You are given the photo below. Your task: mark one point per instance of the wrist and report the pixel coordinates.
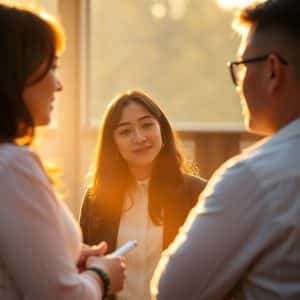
(103, 278)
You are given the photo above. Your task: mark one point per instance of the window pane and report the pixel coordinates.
(176, 50)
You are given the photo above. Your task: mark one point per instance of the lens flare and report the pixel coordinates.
(229, 4)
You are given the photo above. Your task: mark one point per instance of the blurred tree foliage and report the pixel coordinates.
(180, 61)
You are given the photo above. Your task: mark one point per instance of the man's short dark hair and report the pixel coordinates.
(280, 14)
(277, 22)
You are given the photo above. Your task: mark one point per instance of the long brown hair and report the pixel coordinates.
(29, 39)
(111, 177)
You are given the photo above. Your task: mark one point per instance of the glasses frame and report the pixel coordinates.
(250, 60)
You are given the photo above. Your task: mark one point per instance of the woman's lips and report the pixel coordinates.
(142, 149)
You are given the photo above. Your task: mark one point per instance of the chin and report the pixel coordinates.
(44, 122)
(250, 126)
(258, 129)
(143, 163)
(246, 120)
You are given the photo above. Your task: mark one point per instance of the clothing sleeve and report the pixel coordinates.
(222, 235)
(35, 247)
(195, 186)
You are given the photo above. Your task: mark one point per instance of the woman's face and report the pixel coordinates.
(39, 97)
(138, 136)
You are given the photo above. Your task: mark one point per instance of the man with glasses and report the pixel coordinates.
(242, 239)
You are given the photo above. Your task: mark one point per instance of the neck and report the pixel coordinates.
(141, 173)
(288, 111)
(282, 122)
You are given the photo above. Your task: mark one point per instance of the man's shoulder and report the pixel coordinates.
(269, 161)
(194, 180)
(194, 184)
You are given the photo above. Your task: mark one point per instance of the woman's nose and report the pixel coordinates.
(59, 86)
(139, 136)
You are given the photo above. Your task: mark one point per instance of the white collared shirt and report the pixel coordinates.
(136, 224)
(243, 236)
(40, 239)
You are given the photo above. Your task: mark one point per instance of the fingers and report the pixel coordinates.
(100, 249)
(95, 250)
(114, 267)
(121, 273)
(88, 251)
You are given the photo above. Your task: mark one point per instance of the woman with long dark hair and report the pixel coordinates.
(141, 189)
(41, 254)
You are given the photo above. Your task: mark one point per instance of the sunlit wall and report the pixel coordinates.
(176, 50)
(49, 5)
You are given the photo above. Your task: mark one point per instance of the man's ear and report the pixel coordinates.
(274, 72)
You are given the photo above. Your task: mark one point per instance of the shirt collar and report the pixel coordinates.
(285, 133)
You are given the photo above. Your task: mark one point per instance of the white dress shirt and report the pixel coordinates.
(40, 241)
(136, 224)
(243, 236)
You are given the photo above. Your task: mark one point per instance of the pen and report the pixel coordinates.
(125, 248)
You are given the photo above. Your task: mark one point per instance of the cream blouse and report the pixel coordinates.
(136, 224)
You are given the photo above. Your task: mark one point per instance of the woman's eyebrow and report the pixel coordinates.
(140, 119)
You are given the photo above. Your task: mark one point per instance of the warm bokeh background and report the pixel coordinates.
(176, 50)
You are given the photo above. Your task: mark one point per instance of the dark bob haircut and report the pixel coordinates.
(30, 38)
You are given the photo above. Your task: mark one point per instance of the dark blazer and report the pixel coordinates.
(96, 229)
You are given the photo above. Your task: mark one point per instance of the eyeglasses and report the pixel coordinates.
(238, 68)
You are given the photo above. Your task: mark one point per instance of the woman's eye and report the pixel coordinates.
(54, 65)
(124, 132)
(147, 125)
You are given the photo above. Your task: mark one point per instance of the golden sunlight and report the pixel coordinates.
(228, 4)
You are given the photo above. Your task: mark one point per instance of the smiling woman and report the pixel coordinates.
(61, 267)
(141, 190)
(138, 138)
(39, 96)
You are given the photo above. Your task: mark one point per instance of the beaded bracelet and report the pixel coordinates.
(104, 278)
